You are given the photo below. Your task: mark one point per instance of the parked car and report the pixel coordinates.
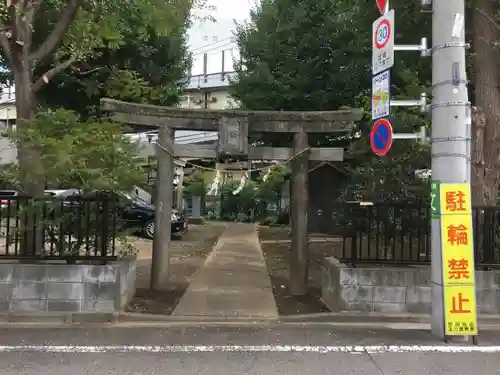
(137, 214)
(141, 214)
(4, 197)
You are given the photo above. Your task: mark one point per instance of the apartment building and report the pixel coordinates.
(8, 115)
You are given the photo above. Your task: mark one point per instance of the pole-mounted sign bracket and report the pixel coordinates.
(422, 47)
(421, 135)
(422, 103)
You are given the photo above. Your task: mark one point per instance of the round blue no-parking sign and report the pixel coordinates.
(381, 137)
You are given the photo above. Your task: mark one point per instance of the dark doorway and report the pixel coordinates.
(325, 184)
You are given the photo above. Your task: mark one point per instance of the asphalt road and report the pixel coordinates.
(232, 351)
(248, 363)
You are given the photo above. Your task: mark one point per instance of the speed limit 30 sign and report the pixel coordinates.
(383, 43)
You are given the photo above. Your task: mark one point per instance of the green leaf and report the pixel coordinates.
(90, 155)
(316, 55)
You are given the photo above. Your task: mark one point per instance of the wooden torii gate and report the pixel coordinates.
(234, 127)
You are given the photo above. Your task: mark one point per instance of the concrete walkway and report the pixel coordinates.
(234, 281)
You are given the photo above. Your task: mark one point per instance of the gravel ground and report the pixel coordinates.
(188, 254)
(276, 247)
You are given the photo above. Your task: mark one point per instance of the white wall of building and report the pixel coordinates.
(8, 150)
(8, 115)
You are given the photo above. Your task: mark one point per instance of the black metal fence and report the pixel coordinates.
(76, 228)
(400, 233)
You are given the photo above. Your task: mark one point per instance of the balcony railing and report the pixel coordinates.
(212, 80)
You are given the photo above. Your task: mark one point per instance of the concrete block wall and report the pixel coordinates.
(42, 287)
(394, 289)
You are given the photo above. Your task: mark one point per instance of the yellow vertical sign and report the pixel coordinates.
(458, 260)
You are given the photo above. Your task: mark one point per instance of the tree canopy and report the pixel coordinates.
(83, 154)
(316, 55)
(59, 33)
(42, 38)
(195, 185)
(271, 183)
(145, 69)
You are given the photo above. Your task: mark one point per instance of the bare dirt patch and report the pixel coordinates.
(187, 255)
(276, 247)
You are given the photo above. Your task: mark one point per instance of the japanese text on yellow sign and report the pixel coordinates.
(458, 260)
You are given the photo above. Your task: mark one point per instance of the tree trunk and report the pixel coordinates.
(486, 113)
(31, 170)
(29, 157)
(32, 179)
(16, 42)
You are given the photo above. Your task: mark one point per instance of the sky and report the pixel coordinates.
(232, 9)
(201, 36)
(227, 10)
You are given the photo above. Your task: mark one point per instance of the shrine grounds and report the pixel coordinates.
(190, 253)
(187, 256)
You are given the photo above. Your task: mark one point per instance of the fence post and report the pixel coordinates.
(354, 241)
(105, 227)
(222, 212)
(495, 223)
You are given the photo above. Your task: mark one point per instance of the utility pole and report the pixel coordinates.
(450, 126)
(453, 298)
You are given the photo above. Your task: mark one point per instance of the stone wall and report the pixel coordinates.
(394, 289)
(86, 288)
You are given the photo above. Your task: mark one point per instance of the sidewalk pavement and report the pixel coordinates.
(233, 282)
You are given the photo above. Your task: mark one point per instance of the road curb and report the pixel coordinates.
(63, 317)
(376, 317)
(134, 317)
(355, 316)
(369, 321)
(68, 319)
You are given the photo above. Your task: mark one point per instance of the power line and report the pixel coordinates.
(213, 49)
(211, 44)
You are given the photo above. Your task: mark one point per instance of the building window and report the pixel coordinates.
(205, 38)
(215, 39)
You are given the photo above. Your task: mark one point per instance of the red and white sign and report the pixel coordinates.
(381, 137)
(382, 34)
(383, 43)
(381, 5)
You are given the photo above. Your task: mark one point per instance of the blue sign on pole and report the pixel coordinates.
(381, 137)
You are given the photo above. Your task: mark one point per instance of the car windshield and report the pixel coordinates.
(144, 195)
(136, 199)
(139, 195)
